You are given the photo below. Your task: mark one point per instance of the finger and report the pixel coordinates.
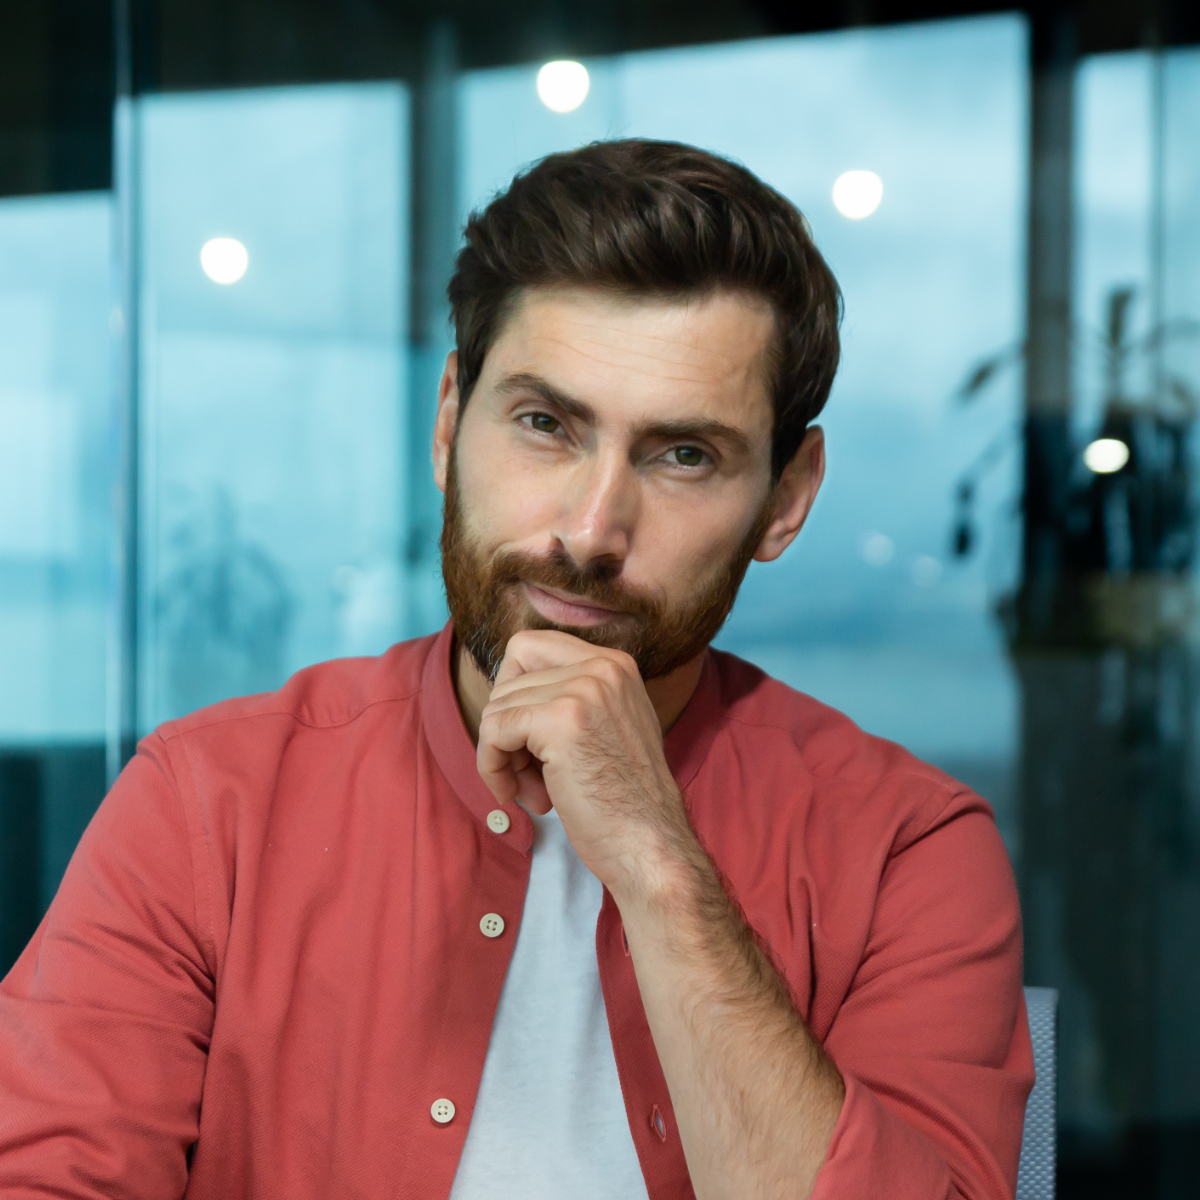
(502, 751)
(501, 780)
(608, 666)
(541, 687)
(520, 760)
(544, 649)
(513, 774)
(532, 679)
(531, 789)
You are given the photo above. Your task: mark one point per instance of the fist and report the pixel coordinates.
(570, 725)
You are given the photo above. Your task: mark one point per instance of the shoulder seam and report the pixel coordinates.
(281, 712)
(951, 792)
(205, 924)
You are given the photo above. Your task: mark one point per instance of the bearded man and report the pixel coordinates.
(558, 902)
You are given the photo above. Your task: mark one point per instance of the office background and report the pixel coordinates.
(225, 232)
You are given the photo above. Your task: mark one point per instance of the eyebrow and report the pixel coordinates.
(579, 410)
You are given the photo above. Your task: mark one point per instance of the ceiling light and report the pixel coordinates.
(876, 548)
(1106, 455)
(856, 194)
(224, 259)
(563, 86)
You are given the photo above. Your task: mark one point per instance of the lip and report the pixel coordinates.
(555, 607)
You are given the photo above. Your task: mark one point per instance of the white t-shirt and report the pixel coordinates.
(550, 1120)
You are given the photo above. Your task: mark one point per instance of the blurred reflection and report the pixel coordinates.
(54, 542)
(273, 408)
(1104, 638)
(225, 611)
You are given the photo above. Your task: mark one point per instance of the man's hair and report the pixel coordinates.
(645, 218)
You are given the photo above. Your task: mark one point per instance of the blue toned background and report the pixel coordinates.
(865, 611)
(285, 511)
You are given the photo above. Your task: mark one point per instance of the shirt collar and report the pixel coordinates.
(686, 744)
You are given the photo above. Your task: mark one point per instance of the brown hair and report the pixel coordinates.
(657, 218)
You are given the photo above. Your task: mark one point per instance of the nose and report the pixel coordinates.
(599, 512)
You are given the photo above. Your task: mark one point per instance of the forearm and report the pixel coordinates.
(755, 1097)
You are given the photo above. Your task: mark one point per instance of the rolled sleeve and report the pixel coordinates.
(933, 1039)
(874, 1153)
(106, 1017)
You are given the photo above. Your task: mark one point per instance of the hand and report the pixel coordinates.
(570, 724)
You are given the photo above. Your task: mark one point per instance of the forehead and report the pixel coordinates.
(695, 355)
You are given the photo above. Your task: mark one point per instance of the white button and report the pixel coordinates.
(498, 821)
(491, 925)
(442, 1111)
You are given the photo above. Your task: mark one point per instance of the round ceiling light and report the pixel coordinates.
(876, 548)
(856, 194)
(1106, 455)
(224, 259)
(562, 86)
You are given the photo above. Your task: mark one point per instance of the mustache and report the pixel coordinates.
(600, 582)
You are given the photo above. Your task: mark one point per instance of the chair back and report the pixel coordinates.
(1035, 1175)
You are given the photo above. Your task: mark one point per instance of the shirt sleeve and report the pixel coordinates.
(933, 1039)
(105, 1019)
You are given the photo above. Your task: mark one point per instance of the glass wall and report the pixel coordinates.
(274, 293)
(55, 540)
(1110, 804)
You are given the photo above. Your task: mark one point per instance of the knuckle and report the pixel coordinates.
(617, 667)
(490, 720)
(518, 642)
(575, 708)
(609, 668)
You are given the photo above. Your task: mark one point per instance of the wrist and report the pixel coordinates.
(667, 876)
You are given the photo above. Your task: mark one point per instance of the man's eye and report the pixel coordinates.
(543, 423)
(686, 456)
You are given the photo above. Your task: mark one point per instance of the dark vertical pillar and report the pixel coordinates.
(435, 238)
(1048, 321)
(80, 87)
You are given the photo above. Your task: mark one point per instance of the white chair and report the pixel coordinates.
(1035, 1175)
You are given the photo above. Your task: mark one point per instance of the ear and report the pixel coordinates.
(794, 495)
(447, 419)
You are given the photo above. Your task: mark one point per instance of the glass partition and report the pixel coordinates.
(1110, 806)
(274, 281)
(55, 541)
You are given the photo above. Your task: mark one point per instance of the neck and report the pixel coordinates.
(669, 694)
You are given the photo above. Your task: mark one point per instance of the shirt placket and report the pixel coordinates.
(643, 1085)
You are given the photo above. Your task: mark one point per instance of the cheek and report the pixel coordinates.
(504, 501)
(684, 548)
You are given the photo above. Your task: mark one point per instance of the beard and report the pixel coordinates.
(487, 608)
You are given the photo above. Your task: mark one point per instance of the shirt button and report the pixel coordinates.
(491, 924)
(442, 1111)
(498, 821)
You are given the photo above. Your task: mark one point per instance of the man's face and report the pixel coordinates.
(610, 474)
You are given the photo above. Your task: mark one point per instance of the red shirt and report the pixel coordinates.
(266, 953)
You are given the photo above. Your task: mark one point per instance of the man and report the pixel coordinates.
(557, 902)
